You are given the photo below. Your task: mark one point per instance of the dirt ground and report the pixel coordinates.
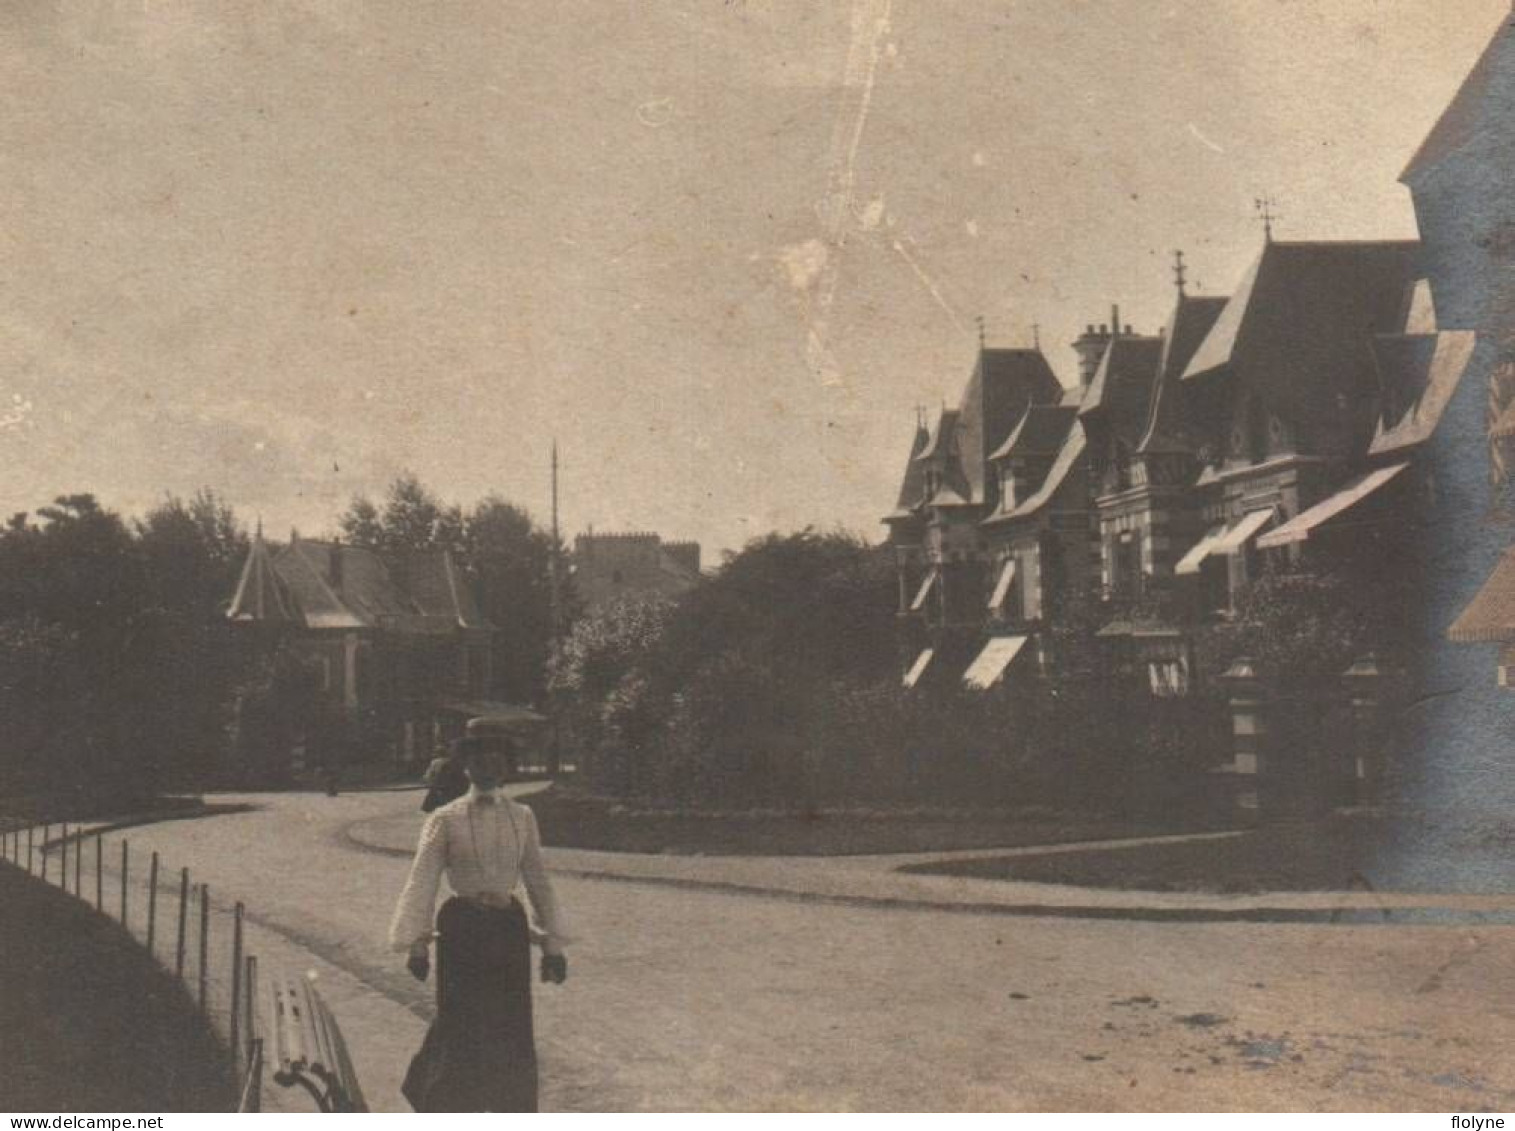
(701, 1000)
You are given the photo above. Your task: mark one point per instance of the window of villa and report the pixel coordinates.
(1257, 432)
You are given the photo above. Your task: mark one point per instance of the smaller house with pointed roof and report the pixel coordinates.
(396, 641)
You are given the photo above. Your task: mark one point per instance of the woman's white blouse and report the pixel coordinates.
(486, 845)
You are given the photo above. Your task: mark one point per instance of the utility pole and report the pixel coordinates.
(555, 583)
(553, 571)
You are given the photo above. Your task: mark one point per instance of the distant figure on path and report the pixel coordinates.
(480, 1052)
(444, 779)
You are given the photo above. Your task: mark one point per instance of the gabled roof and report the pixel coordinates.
(1491, 616)
(1418, 374)
(1486, 99)
(330, 585)
(1168, 425)
(1041, 432)
(1299, 333)
(1120, 395)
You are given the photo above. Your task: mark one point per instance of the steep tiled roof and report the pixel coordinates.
(1487, 93)
(1067, 459)
(1004, 383)
(1418, 374)
(1299, 331)
(913, 484)
(1041, 431)
(1491, 616)
(1120, 394)
(435, 586)
(329, 585)
(939, 439)
(260, 593)
(1168, 425)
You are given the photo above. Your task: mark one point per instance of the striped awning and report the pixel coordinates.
(1201, 550)
(925, 591)
(1242, 531)
(997, 655)
(918, 669)
(1300, 527)
(1002, 586)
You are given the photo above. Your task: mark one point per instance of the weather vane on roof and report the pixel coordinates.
(1180, 271)
(1036, 335)
(981, 337)
(1265, 206)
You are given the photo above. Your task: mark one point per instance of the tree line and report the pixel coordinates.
(120, 676)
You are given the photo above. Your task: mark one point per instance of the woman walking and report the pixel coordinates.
(480, 1052)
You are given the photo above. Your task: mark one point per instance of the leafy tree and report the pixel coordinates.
(729, 699)
(125, 622)
(192, 553)
(597, 687)
(412, 520)
(509, 560)
(502, 552)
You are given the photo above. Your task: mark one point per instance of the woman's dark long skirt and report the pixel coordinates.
(480, 1052)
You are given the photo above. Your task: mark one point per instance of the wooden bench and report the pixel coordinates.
(307, 1045)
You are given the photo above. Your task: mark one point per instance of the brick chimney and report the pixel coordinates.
(1090, 347)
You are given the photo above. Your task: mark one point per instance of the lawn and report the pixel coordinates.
(570, 820)
(1323, 855)
(90, 1023)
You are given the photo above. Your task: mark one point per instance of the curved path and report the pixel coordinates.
(757, 997)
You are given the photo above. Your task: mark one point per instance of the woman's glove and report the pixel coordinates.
(419, 963)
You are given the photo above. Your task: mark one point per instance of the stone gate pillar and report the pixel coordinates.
(1251, 760)
(1365, 684)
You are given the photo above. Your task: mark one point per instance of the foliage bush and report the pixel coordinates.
(116, 674)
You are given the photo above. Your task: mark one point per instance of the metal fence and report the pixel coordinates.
(175, 919)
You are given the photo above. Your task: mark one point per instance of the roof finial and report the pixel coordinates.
(1180, 272)
(1036, 329)
(1265, 206)
(980, 321)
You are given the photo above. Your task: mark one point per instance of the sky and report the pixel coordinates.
(719, 250)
